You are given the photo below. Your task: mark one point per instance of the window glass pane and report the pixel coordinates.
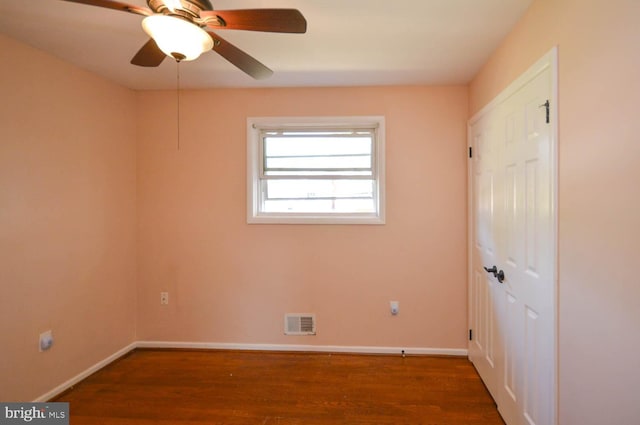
(314, 189)
(317, 145)
(320, 206)
(317, 152)
(308, 173)
(319, 162)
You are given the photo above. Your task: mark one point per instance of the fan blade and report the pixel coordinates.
(268, 20)
(116, 5)
(239, 58)
(206, 5)
(149, 55)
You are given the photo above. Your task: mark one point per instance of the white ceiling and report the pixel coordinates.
(348, 42)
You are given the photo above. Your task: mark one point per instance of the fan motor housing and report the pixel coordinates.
(189, 7)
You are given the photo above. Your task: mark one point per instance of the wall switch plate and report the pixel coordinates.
(395, 307)
(164, 298)
(46, 341)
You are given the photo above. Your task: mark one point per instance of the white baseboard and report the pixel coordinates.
(249, 347)
(306, 348)
(82, 375)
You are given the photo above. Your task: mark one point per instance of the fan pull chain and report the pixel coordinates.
(178, 96)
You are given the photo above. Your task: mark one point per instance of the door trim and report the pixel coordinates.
(549, 60)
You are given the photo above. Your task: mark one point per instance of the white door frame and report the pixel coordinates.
(550, 59)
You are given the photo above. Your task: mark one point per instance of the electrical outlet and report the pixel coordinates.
(395, 307)
(46, 341)
(164, 298)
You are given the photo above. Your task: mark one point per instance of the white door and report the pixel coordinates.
(482, 334)
(512, 226)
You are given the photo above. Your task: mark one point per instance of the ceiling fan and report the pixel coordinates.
(177, 29)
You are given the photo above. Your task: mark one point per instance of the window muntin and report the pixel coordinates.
(321, 171)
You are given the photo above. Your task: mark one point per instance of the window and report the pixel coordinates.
(315, 170)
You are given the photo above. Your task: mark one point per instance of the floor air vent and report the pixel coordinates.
(299, 324)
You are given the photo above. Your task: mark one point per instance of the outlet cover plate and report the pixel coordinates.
(46, 341)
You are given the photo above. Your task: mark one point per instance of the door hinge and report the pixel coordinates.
(547, 106)
(470, 152)
(470, 334)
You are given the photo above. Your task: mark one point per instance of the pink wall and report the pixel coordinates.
(232, 282)
(599, 198)
(67, 220)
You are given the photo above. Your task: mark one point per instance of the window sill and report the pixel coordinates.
(369, 219)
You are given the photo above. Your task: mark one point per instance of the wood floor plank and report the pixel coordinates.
(240, 387)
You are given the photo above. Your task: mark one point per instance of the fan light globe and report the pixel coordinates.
(176, 37)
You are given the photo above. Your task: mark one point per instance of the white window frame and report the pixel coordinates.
(254, 127)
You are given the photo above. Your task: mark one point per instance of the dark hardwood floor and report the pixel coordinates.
(239, 387)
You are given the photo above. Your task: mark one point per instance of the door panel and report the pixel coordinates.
(513, 226)
(510, 382)
(483, 345)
